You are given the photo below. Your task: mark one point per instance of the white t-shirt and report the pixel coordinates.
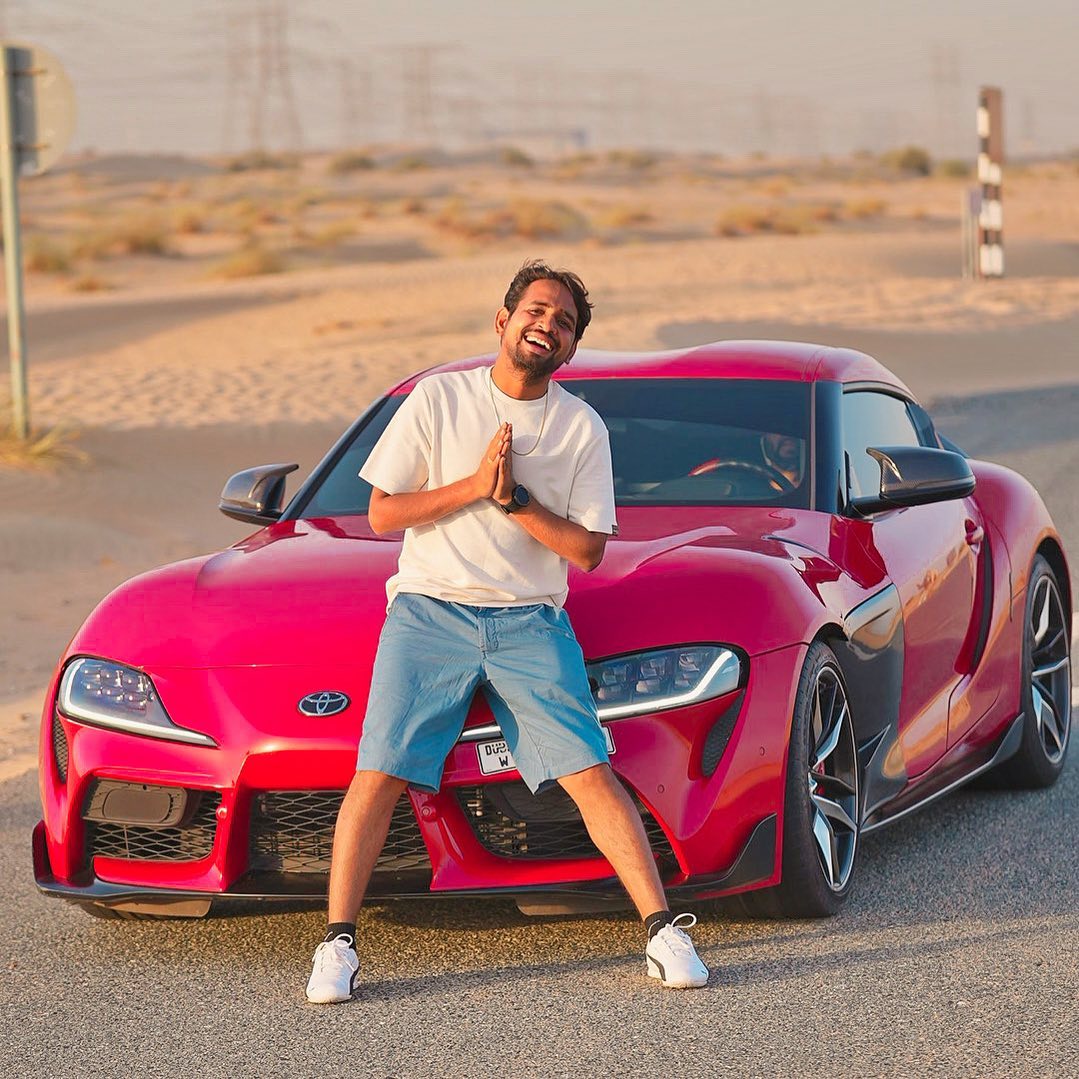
(479, 555)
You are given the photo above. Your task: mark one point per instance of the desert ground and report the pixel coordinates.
(189, 319)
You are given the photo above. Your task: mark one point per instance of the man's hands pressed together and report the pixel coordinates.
(504, 482)
(489, 475)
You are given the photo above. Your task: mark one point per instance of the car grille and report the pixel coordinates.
(512, 822)
(292, 832)
(59, 747)
(188, 841)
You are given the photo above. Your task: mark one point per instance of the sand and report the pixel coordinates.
(175, 385)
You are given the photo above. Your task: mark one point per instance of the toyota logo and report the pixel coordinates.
(326, 703)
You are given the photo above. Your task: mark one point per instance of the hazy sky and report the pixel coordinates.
(733, 75)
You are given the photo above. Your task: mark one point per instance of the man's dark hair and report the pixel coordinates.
(537, 270)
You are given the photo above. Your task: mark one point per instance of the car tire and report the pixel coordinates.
(1045, 687)
(822, 803)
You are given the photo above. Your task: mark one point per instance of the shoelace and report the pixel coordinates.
(678, 940)
(337, 948)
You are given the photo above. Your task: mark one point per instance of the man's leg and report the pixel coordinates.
(362, 823)
(615, 826)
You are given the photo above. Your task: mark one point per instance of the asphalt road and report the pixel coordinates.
(958, 952)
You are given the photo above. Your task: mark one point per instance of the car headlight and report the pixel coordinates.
(107, 694)
(663, 678)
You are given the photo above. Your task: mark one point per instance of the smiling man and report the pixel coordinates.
(499, 479)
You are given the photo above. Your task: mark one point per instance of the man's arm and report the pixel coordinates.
(392, 513)
(567, 539)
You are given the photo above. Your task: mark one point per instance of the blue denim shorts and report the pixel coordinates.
(434, 655)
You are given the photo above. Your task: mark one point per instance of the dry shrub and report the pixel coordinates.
(530, 219)
(632, 159)
(624, 217)
(538, 218)
(861, 209)
(823, 212)
(331, 235)
(143, 236)
(776, 187)
(414, 207)
(515, 158)
(91, 245)
(742, 219)
(246, 215)
(910, 159)
(46, 449)
(800, 220)
(954, 168)
(251, 260)
(42, 255)
(350, 161)
(257, 160)
(146, 235)
(411, 163)
(88, 282)
(189, 219)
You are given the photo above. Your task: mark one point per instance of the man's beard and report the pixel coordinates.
(534, 368)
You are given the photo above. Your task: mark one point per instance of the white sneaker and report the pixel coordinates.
(671, 957)
(334, 974)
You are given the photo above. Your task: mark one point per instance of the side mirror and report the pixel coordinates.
(255, 496)
(916, 476)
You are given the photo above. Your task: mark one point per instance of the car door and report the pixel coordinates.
(930, 554)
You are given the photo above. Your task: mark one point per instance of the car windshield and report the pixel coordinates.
(692, 441)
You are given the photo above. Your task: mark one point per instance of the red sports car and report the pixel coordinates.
(818, 616)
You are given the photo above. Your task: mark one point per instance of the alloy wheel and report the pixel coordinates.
(1050, 675)
(833, 779)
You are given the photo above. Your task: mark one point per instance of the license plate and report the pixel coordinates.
(495, 757)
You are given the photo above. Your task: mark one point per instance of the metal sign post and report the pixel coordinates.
(37, 118)
(9, 194)
(990, 163)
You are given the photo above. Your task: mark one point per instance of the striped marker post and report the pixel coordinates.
(990, 161)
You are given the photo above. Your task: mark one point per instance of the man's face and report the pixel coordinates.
(783, 452)
(538, 336)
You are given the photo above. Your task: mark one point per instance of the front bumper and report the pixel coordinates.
(717, 824)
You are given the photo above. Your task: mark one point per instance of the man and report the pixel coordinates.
(491, 522)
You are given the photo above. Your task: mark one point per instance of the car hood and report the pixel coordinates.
(312, 592)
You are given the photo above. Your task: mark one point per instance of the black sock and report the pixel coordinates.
(655, 922)
(339, 929)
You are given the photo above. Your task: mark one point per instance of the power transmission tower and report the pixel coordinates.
(355, 81)
(237, 77)
(418, 90)
(273, 74)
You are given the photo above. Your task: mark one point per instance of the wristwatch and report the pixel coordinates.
(518, 499)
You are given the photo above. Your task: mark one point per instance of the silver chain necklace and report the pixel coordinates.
(543, 422)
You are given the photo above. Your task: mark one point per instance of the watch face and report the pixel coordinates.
(521, 495)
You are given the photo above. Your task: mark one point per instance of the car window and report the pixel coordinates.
(673, 442)
(342, 492)
(696, 441)
(873, 419)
